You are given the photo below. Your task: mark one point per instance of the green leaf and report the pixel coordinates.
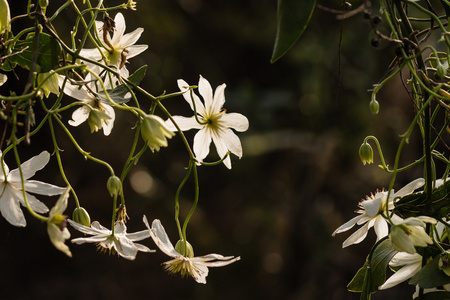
(48, 53)
(118, 94)
(293, 17)
(430, 276)
(416, 204)
(373, 273)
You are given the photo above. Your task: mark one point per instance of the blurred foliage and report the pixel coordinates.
(299, 179)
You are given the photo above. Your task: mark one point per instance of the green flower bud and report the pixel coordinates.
(374, 106)
(441, 70)
(43, 3)
(5, 17)
(96, 119)
(114, 186)
(154, 131)
(366, 153)
(181, 246)
(81, 216)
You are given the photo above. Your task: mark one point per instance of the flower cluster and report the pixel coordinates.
(94, 85)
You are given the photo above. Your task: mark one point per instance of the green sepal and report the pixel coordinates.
(118, 94)
(373, 273)
(430, 276)
(292, 18)
(48, 53)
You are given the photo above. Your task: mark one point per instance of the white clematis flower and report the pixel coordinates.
(410, 263)
(56, 224)
(215, 124)
(197, 267)
(11, 194)
(98, 113)
(408, 233)
(370, 214)
(121, 46)
(121, 241)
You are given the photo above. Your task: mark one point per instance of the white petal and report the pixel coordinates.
(93, 54)
(120, 28)
(43, 188)
(138, 236)
(80, 115)
(202, 140)
(348, 225)
(129, 39)
(30, 167)
(401, 275)
(381, 227)
(161, 239)
(34, 203)
(10, 208)
(88, 230)
(410, 187)
(231, 142)
(199, 107)
(219, 98)
(61, 204)
(92, 239)
(135, 50)
(235, 121)
(372, 206)
(108, 124)
(357, 237)
(125, 248)
(184, 123)
(205, 90)
(58, 237)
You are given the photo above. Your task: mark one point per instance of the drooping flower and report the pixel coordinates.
(370, 214)
(121, 47)
(212, 120)
(407, 234)
(185, 265)
(121, 242)
(155, 132)
(56, 224)
(11, 194)
(410, 264)
(98, 113)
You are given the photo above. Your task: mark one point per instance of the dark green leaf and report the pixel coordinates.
(430, 275)
(48, 53)
(118, 94)
(416, 204)
(373, 273)
(293, 17)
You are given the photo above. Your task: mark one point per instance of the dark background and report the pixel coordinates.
(299, 179)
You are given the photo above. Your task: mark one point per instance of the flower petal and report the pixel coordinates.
(160, 238)
(348, 225)
(80, 115)
(135, 50)
(409, 188)
(189, 95)
(30, 167)
(219, 98)
(184, 123)
(10, 208)
(43, 188)
(202, 140)
(33, 202)
(401, 275)
(235, 121)
(129, 39)
(205, 90)
(357, 237)
(119, 21)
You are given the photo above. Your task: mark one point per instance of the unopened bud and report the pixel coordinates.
(5, 17)
(184, 248)
(441, 70)
(374, 106)
(43, 3)
(81, 216)
(366, 153)
(114, 186)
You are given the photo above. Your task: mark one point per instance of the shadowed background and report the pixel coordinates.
(299, 179)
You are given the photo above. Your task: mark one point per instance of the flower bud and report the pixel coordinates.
(154, 131)
(43, 3)
(81, 216)
(366, 153)
(114, 186)
(96, 119)
(441, 70)
(5, 17)
(374, 106)
(181, 246)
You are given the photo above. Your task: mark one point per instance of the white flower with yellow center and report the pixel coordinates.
(371, 211)
(214, 123)
(121, 47)
(187, 264)
(121, 242)
(11, 194)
